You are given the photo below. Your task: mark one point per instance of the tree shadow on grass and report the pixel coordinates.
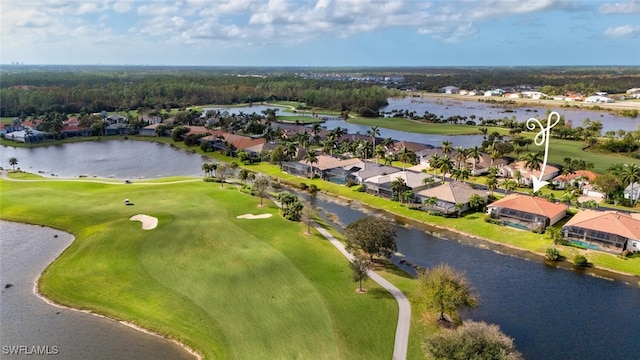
(380, 293)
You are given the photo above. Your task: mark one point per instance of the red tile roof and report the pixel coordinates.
(611, 222)
(530, 204)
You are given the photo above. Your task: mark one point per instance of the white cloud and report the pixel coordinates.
(626, 31)
(123, 6)
(628, 7)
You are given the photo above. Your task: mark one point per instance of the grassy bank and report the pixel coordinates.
(227, 287)
(424, 128)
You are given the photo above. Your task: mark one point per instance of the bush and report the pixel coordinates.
(491, 220)
(473, 340)
(580, 261)
(552, 254)
(362, 188)
(303, 186)
(350, 183)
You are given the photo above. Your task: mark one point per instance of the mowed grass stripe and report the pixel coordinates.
(230, 288)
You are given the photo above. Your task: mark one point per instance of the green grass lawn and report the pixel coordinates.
(227, 287)
(559, 149)
(424, 128)
(300, 118)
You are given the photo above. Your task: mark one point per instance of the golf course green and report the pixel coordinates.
(226, 287)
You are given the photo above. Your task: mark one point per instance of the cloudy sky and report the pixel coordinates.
(321, 32)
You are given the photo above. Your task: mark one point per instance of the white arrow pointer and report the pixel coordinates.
(542, 137)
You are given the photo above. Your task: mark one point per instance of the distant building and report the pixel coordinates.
(450, 90)
(598, 99)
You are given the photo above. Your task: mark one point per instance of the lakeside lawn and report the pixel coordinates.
(227, 287)
(424, 128)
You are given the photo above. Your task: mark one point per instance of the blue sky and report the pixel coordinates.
(321, 32)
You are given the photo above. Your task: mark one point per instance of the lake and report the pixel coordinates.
(27, 320)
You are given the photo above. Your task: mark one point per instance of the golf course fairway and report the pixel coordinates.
(226, 287)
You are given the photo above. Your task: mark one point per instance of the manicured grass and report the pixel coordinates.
(559, 149)
(227, 287)
(424, 128)
(300, 118)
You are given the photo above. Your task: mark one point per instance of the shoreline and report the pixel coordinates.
(615, 106)
(51, 302)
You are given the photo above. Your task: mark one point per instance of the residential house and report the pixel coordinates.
(592, 191)
(152, 130)
(495, 92)
(608, 230)
(483, 163)
(450, 90)
(632, 192)
(598, 99)
(71, 128)
(410, 145)
(337, 170)
(381, 184)
(535, 95)
(373, 169)
(578, 179)
(634, 93)
(117, 129)
(449, 194)
(224, 141)
(28, 135)
(297, 168)
(509, 171)
(527, 212)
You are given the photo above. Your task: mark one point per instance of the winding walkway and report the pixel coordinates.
(404, 308)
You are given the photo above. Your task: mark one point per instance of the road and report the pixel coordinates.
(404, 308)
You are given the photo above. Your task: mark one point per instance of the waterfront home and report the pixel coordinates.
(510, 171)
(527, 212)
(71, 128)
(227, 142)
(483, 163)
(372, 169)
(578, 179)
(448, 195)
(337, 170)
(607, 230)
(598, 99)
(535, 95)
(381, 184)
(409, 145)
(297, 168)
(152, 130)
(117, 129)
(495, 92)
(28, 135)
(450, 90)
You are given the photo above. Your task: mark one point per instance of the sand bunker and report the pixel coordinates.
(252, 217)
(148, 222)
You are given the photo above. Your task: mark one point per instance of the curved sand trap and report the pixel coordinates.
(148, 222)
(252, 217)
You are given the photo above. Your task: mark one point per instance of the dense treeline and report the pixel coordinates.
(27, 93)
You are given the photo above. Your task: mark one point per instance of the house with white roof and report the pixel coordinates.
(598, 99)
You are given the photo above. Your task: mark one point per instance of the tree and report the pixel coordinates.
(277, 155)
(243, 174)
(629, 176)
(431, 202)
(446, 164)
(222, 173)
(532, 161)
(459, 207)
(379, 151)
(434, 163)
(445, 290)
(552, 254)
(372, 235)
(473, 340)
(373, 132)
(359, 268)
(13, 162)
(570, 197)
(311, 158)
(406, 156)
(476, 201)
(398, 185)
(243, 156)
(446, 146)
(474, 153)
(307, 216)
(260, 187)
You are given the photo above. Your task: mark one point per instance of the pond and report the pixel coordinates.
(553, 313)
(27, 320)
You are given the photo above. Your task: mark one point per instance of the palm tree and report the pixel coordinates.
(491, 183)
(315, 130)
(13, 162)
(570, 197)
(446, 164)
(387, 143)
(373, 132)
(447, 147)
(397, 187)
(407, 195)
(405, 155)
(311, 158)
(629, 175)
(290, 149)
(460, 173)
(434, 162)
(532, 161)
(431, 202)
(329, 144)
(458, 207)
(379, 150)
(461, 155)
(509, 185)
(518, 176)
(428, 180)
(474, 153)
(388, 160)
(476, 201)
